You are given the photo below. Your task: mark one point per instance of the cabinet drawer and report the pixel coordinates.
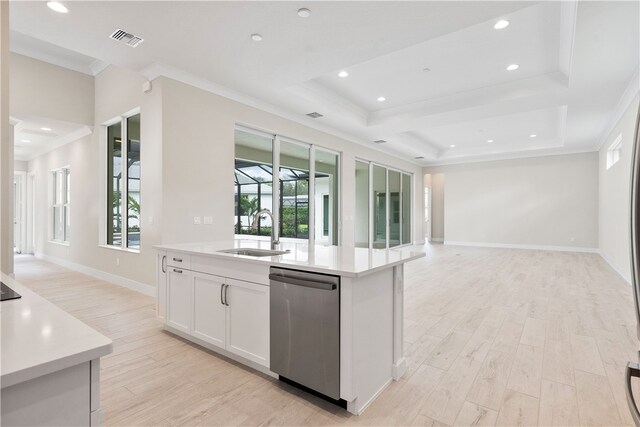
(178, 259)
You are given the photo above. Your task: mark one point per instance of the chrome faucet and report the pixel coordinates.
(256, 221)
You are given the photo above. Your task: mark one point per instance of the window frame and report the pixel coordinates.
(64, 207)
(106, 197)
(614, 152)
(276, 140)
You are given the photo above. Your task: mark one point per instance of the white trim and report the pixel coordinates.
(428, 166)
(157, 70)
(437, 240)
(626, 278)
(520, 246)
(120, 248)
(103, 275)
(629, 94)
(59, 242)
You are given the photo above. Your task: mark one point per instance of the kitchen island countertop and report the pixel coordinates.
(39, 338)
(339, 260)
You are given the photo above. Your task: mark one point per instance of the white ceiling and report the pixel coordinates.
(31, 140)
(576, 60)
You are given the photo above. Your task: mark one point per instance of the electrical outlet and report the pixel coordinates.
(150, 220)
(117, 261)
(208, 220)
(197, 220)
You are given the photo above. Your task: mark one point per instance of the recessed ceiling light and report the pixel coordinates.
(25, 141)
(533, 135)
(379, 141)
(513, 67)
(452, 146)
(57, 6)
(381, 99)
(304, 12)
(256, 37)
(426, 69)
(489, 140)
(343, 74)
(46, 129)
(419, 157)
(501, 24)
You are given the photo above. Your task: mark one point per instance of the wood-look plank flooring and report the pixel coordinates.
(492, 337)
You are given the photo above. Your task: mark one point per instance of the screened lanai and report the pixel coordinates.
(254, 192)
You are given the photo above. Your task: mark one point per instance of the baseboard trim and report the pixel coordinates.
(530, 247)
(99, 274)
(616, 269)
(437, 240)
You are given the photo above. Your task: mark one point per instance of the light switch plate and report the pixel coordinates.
(197, 220)
(208, 220)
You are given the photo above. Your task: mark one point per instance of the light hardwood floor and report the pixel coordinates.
(492, 337)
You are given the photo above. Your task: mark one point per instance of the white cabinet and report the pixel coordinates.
(209, 311)
(228, 314)
(248, 320)
(179, 299)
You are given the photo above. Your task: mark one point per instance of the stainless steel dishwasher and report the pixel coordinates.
(305, 329)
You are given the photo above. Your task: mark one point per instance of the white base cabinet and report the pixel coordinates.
(228, 314)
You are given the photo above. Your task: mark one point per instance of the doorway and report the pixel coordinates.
(19, 211)
(427, 208)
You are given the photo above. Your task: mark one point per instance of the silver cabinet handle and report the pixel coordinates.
(633, 370)
(162, 264)
(175, 270)
(221, 291)
(177, 259)
(226, 295)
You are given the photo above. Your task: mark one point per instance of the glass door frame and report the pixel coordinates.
(372, 202)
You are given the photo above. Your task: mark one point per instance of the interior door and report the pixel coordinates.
(17, 213)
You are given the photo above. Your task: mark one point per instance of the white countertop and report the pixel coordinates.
(343, 261)
(39, 338)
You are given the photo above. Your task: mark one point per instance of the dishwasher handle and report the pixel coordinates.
(303, 282)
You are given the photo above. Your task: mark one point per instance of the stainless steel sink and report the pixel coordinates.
(252, 252)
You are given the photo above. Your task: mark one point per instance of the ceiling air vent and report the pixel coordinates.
(419, 157)
(380, 141)
(127, 38)
(315, 115)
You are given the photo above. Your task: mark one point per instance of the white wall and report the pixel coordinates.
(544, 201)
(116, 91)
(197, 174)
(39, 89)
(187, 157)
(614, 203)
(20, 166)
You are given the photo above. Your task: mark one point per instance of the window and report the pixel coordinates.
(123, 182)
(60, 197)
(613, 153)
(306, 208)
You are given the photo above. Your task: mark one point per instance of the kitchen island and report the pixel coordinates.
(49, 363)
(221, 301)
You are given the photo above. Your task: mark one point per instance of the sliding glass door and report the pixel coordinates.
(383, 206)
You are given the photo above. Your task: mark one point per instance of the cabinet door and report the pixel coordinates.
(248, 320)
(208, 308)
(179, 299)
(161, 285)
